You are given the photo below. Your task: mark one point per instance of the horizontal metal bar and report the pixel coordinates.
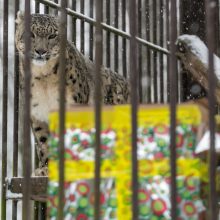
(18, 197)
(153, 46)
(105, 26)
(49, 3)
(79, 15)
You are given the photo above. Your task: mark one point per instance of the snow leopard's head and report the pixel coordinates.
(44, 37)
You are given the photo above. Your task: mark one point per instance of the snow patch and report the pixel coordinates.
(198, 48)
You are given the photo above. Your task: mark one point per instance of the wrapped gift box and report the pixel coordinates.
(153, 156)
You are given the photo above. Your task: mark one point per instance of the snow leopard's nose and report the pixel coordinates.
(40, 52)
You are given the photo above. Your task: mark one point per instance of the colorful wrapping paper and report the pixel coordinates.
(153, 155)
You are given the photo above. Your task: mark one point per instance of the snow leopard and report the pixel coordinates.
(80, 78)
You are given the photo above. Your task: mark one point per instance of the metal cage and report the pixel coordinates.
(143, 35)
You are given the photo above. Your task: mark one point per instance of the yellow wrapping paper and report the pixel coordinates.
(119, 119)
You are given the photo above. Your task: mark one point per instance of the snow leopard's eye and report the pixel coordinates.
(52, 36)
(181, 47)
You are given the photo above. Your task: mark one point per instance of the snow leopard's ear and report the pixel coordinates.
(20, 17)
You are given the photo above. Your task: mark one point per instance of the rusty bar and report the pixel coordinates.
(108, 34)
(91, 38)
(155, 72)
(26, 214)
(4, 109)
(124, 43)
(82, 28)
(62, 93)
(147, 9)
(173, 101)
(211, 42)
(74, 23)
(140, 49)
(134, 104)
(16, 118)
(98, 98)
(161, 55)
(116, 36)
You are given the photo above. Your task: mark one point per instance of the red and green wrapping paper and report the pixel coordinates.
(153, 157)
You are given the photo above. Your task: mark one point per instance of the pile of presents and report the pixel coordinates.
(153, 142)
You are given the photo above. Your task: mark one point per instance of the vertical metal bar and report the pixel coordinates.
(39, 212)
(56, 11)
(62, 92)
(36, 203)
(191, 15)
(42, 211)
(74, 23)
(147, 8)
(217, 51)
(36, 210)
(116, 37)
(37, 6)
(16, 116)
(91, 32)
(26, 215)
(161, 54)
(98, 99)
(155, 73)
(168, 46)
(173, 101)
(4, 110)
(140, 49)
(36, 159)
(134, 103)
(108, 34)
(124, 43)
(46, 9)
(183, 75)
(211, 41)
(82, 28)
